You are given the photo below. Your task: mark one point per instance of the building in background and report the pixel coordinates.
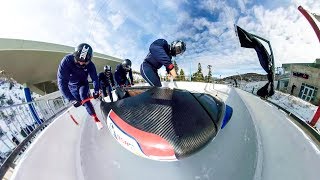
(35, 64)
(306, 79)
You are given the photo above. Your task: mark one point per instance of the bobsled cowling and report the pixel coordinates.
(164, 124)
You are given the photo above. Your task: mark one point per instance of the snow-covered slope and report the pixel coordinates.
(302, 109)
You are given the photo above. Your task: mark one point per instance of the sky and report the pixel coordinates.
(125, 29)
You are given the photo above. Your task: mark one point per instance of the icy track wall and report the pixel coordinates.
(67, 151)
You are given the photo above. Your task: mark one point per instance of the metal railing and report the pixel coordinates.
(18, 127)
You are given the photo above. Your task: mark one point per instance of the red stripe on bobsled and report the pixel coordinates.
(151, 144)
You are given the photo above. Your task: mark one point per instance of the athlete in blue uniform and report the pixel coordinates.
(106, 81)
(121, 72)
(160, 54)
(73, 82)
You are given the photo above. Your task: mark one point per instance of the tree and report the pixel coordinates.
(209, 76)
(10, 102)
(1, 132)
(177, 69)
(3, 115)
(2, 97)
(182, 76)
(198, 76)
(11, 85)
(199, 68)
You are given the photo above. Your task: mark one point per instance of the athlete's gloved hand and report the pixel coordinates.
(95, 95)
(76, 103)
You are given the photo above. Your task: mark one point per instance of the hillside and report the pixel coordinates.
(248, 77)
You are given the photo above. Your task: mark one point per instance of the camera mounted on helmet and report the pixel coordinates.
(83, 54)
(126, 64)
(177, 47)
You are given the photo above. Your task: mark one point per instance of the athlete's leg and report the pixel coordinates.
(150, 75)
(84, 94)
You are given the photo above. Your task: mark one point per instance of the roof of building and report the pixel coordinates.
(315, 64)
(34, 62)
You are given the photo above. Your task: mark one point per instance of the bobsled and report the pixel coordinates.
(165, 124)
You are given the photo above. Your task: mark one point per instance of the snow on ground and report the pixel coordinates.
(9, 96)
(222, 88)
(12, 119)
(302, 109)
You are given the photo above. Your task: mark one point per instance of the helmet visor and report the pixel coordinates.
(180, 47)
(81, 63)
(127, 67)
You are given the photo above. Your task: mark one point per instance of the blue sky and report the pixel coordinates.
(125, 28)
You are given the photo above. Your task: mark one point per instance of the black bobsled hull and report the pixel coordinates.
(164, 124)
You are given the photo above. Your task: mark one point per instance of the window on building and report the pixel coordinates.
(307, 92)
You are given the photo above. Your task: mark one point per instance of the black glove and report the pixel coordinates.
(95, 95)
(76, 103)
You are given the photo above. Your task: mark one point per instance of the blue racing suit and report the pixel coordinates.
(120, 76)
(106, 81)
(158, 56)
(73, 81)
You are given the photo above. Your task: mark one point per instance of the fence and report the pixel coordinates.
(18, 127)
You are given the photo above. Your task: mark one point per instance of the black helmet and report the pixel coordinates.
(177, 47)
(83, 53)
(107, 68)
(126, 64)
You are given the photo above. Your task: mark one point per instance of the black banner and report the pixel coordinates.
(247, 40)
